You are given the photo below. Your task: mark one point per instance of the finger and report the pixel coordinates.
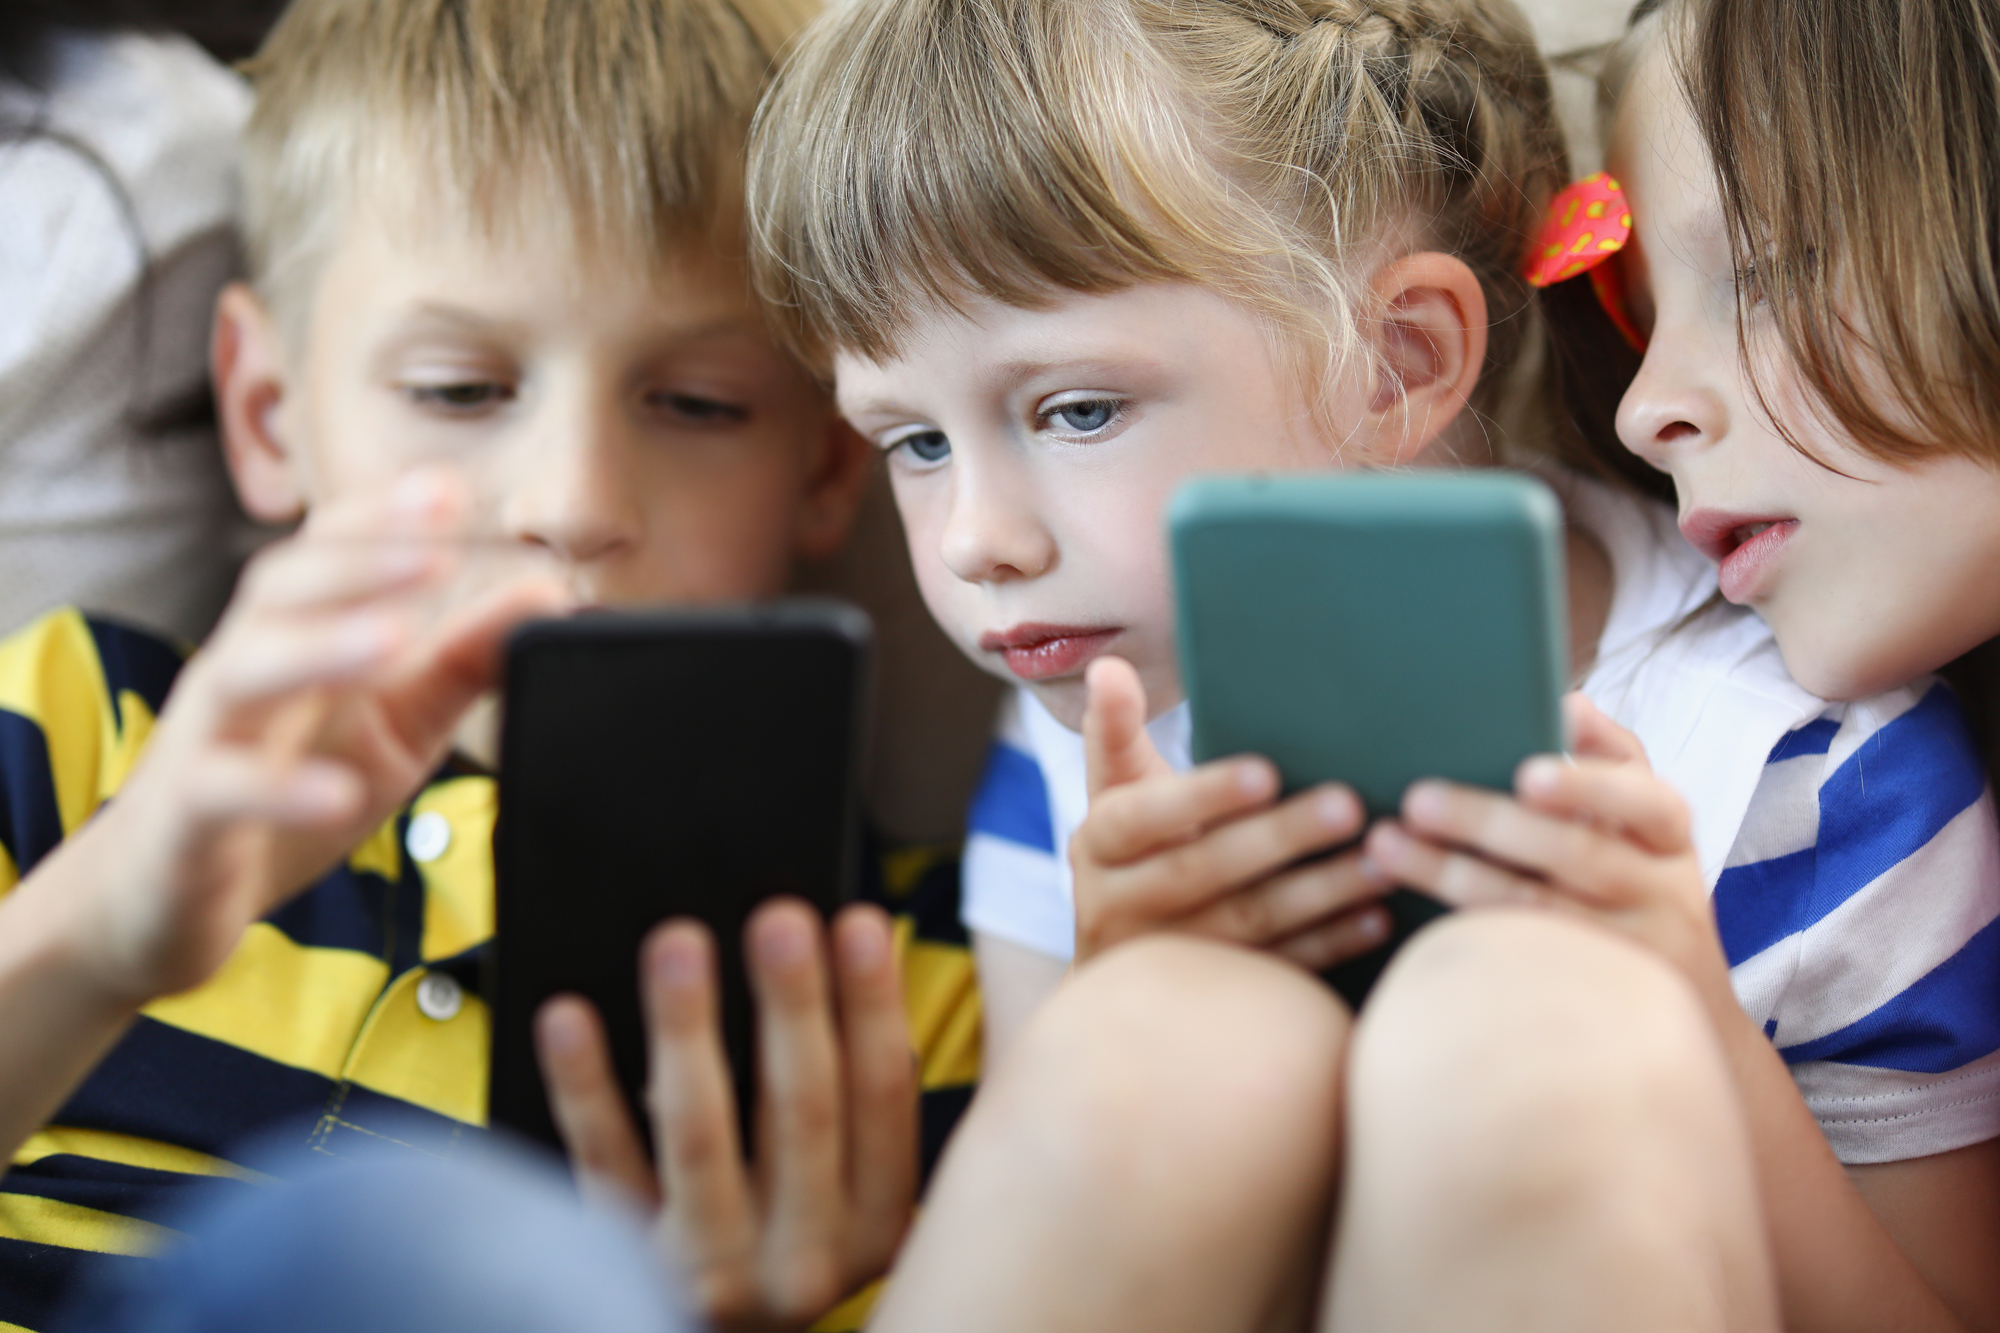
(710, 1212)
(301, 572)
(462, 660)
(1620, 796)
(801, 1131)
(261, 661)
(1183, 878)
(1287, 903)
(1345, 937)
(1116, 748)
(588, 1105)
(1596, 736)
(232, 785)
(1460, 879)
(1599, 864)
(432, 500)
(882, 1087)
(1128, 822)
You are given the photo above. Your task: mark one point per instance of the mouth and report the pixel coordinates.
(1044, 652)
(1744, 546)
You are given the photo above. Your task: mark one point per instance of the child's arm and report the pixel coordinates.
(776, 1242)
(1907, 1245)
(1211, 851)
(319, 705)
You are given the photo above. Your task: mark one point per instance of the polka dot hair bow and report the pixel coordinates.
(1587, 224)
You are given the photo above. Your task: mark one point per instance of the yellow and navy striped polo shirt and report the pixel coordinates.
(350, 1009)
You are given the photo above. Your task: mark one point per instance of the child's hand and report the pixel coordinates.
(776, 1243)
(1601, 835)
(1208, 852)
(319, 705)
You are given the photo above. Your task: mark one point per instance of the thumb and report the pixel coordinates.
(1116, 748)
(1592, 735)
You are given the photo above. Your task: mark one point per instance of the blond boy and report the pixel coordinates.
(499, 354)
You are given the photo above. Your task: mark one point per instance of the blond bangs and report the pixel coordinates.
(632, 112)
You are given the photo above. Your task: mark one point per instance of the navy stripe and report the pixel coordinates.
(931, 903)
(1815, 737)
(360, 1116)
(34, 1276)
(347, 909)
(939, 1110)
(1013, 800)
(1946, 1020)
(1887, 801)
(134, 660)
(1755, 904)
(160, 1082)
(110, 1187)
(30, 822)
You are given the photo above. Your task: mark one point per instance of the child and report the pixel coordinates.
(1033, 499)
(499, 319)
(1842, 480)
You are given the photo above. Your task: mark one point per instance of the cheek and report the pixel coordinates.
(719, 529)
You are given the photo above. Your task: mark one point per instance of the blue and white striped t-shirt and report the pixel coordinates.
(1860, 912)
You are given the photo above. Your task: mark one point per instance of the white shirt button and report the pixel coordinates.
(439, 997)
(428, 836)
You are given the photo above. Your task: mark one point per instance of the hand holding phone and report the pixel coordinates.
(1373, 629)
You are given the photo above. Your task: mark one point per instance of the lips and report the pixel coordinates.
(1042, 652)
(1745, 546)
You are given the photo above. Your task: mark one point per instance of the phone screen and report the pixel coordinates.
(658, 765)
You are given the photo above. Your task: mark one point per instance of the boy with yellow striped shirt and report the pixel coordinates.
(500, 354)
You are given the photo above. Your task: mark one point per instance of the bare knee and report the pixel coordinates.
(1169, 1049)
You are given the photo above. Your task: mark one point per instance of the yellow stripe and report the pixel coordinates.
(851, 1314)
(285, 1001)
(440, 1066)
(941, 998)
(6, 1327)
(123, 748)
(49, 673)
(128, 1150)
(52, 1222)
(458, 886)
(380, 855)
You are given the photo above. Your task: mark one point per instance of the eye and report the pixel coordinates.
(702, 411)
(925, 446)
(460, 397)
(1082, 416)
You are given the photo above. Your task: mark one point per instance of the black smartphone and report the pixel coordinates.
(663, 764)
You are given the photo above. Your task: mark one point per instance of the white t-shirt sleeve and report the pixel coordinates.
(1860, 912)
(1015, 873)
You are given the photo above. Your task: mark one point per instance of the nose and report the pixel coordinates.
(994, 531)
(1673, 403)
(574, 494)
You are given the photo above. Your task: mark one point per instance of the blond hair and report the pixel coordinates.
(915, 152)
(632, 113)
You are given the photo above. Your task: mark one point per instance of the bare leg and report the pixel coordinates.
(1543, 1136)
(1156, 1154)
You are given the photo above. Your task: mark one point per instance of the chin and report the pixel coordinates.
(1065, 699)
(1844, 676)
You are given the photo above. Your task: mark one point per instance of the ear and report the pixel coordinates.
(833, 489)
(1430, 335)
(248, 367)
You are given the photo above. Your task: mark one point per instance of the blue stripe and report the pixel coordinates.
(1815, 737)
(1755, 904)
(1890, 798)
(30, 824)
(1013, 801)
(136, 661)
(1948, 1019)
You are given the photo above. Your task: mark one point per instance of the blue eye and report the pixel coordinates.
(1085, 415)
(928, 446)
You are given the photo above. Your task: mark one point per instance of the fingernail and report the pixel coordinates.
(417, 493)
(1540, 776)
(364, 637)
(1372, 926)
(863, 950)
(783, 945)
(1424, 800)
(1336, 808)
(1253, 778)
(678, 961)
(560, 1034)
(1374, 872)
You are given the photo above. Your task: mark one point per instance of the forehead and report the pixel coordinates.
(1657, 154)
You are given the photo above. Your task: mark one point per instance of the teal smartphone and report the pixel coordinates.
(1373, 629)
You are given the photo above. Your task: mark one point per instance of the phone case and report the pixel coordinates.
(1373, 629)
